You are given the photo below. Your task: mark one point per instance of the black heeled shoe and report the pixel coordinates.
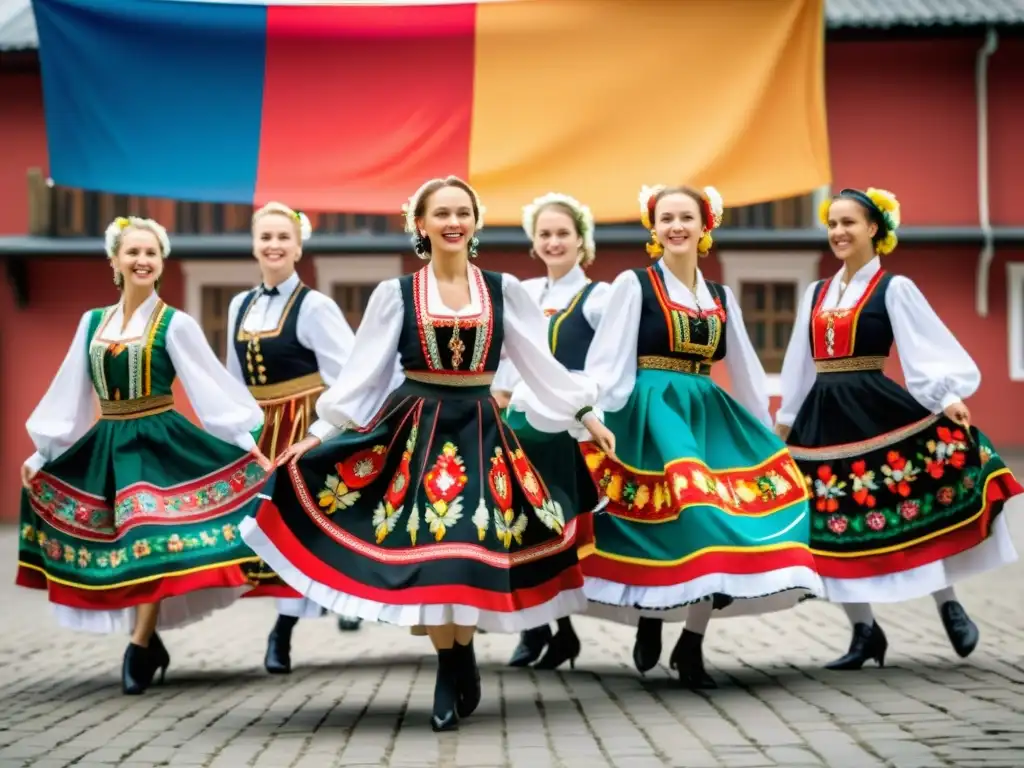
(869, 642)
(137, 669)
(278, 660)
(469, 689)
(445, 716)
(647, 648)
(531, 645)
(963, 633)
(688, 659)
(564, 646)
(161, 658)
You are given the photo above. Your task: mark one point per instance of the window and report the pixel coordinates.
(769, 286)
(1015, 316)
(350, 280)
(209, 287)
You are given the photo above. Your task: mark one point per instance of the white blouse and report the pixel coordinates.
(613, 353)
(937, 370)
(320, 327)
(554, 297)
(68, 409)
(357, 396)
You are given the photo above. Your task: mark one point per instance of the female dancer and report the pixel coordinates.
(907, 494)
(131, 522)
(705, 504)
(419, 507)
(294, 340)
(561, 230)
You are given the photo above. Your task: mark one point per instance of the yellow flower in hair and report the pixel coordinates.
(654, 249)
(887, 244)
(823, 210)
(122, 222)
(886, 202)
(704, 244)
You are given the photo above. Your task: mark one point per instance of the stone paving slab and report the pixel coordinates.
(364, 698)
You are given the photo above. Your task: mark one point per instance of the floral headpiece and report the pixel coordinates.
(713, 212)
(112, 237)
(301, 219)
(581, 215)
(883, 208)
(409, 208)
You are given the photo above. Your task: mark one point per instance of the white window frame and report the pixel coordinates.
(1015, 317)
(354, 270)
(800, 267)
(199, 274)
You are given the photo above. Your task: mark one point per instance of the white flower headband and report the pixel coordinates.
(714, 210)
(581, 215)
(409, 208)
(112, 237)
(305, 226)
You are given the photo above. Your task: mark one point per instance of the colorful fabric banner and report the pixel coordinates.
(337, 106)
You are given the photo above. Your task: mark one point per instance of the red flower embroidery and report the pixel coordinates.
(875, 521)
(909, 509)
(838, 524)
(363, 467)
(863, 484)
(945, 495)
(899, 474)
(828, 489)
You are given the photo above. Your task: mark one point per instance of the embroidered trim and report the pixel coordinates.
(451, 378)
(136, 408)
(482, 322)
(560, 315)
(829, 318)
(677, 318)
(663, 363)
(272, 394)
(848, 450)
(243, 335)
(847, 364)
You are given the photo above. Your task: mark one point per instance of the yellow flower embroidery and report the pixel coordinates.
(336, 495)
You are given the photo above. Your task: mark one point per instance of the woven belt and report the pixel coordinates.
(271, 394)
(847, 364)
(136, 408)
(451, 379)
(663, 363)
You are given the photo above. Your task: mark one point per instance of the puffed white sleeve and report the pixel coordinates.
(221, 401)
(611, 359)
(68, 409)
(798, 372)
(556, 396)
(596, 303)
(936, 368)
(749, 381)
(371, 372)
(323, 328)
(234, 365)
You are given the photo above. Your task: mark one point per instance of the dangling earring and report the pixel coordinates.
(118, 280)
(421, 245)
(474, 247)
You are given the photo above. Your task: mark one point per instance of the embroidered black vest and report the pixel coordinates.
(274, 356)
(671, 330)
(446, 344)
(863, 330)
(569, 333)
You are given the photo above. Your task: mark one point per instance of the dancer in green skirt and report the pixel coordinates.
(561, 230)
(130, 522)
(706, 508)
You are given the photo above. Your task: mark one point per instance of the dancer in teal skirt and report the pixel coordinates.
(706, 508)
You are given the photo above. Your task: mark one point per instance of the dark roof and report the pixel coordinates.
(874, 14)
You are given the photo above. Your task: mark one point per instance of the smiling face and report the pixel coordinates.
(275, 243)
(139, 259)
(555, 239)
(850, 231)
(448, 220)
(678, 223)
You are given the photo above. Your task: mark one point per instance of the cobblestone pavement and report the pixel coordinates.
(364, 698)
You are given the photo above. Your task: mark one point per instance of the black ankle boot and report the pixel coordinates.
(137, 669)
(962, 632)
(647, 648)
(531, 645)
(469, 689)
(445, 716)
(278, 660)
(564, 646)
(349, 623)
(688, 659)
(868, 643)
(161, 658)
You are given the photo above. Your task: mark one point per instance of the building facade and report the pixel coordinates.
(928, 107)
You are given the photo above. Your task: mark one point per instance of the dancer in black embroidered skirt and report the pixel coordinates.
(417, 506)
(908, 495)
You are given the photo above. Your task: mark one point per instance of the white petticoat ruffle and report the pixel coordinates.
(175, 612)
(752, 594)
(564, 604)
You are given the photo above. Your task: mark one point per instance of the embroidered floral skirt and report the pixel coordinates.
(430, 514)
(704, 499)
(559, 455)
(905, 502)
(139, 510)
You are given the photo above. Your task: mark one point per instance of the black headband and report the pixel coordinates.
(874, 212)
